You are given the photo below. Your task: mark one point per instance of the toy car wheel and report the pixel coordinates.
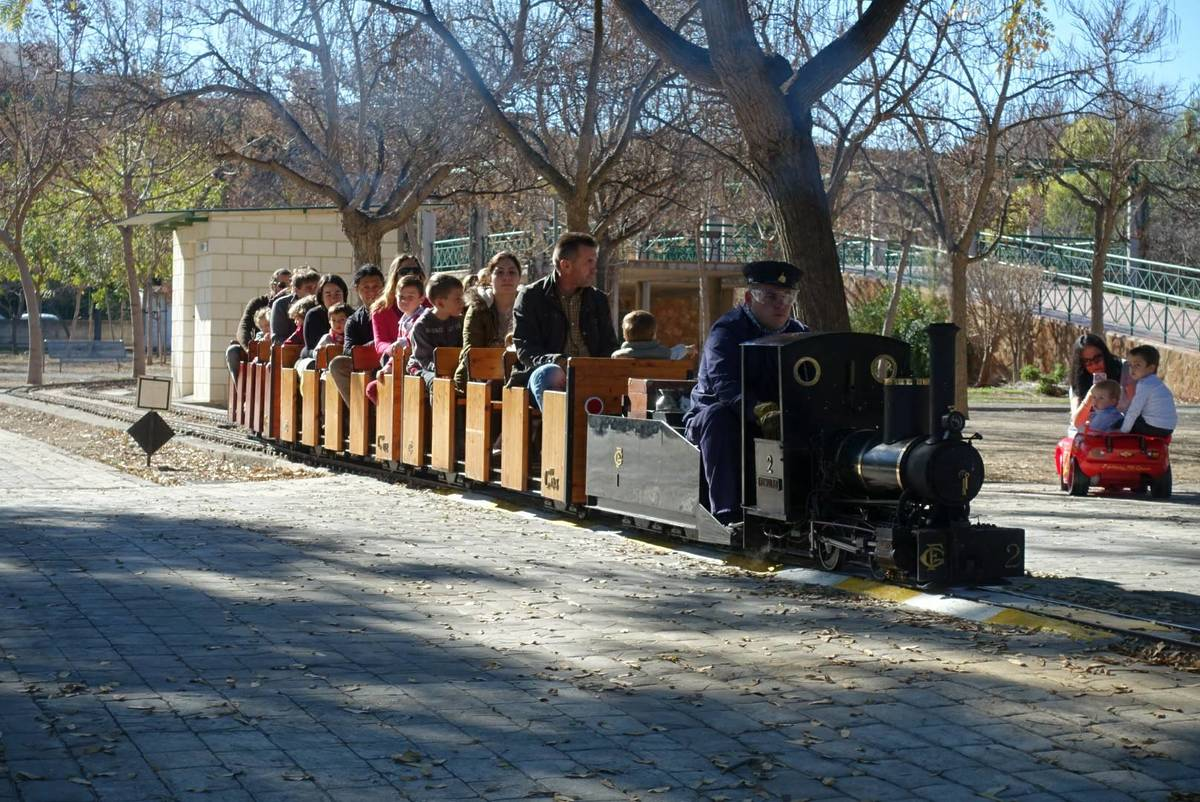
(1161, 487)
(1078, 480)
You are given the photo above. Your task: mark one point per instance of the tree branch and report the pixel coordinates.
(684, 57)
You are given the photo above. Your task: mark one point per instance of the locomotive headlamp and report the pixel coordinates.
(954, 422)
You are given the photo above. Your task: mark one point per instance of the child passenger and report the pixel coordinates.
(439, 327)
(640, 330)
(296, 312)
(262, 322)
(1105, 416)
(338, 315)
(1152, 410)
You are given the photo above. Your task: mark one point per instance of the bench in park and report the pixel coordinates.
(84, 351)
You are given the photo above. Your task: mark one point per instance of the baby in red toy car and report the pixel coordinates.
(1105, 417)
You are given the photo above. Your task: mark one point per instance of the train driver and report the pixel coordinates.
(712, 423)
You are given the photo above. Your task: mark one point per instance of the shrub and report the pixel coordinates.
(1030, 373)
(1046, 385)
(1059, 374)
(914, 312)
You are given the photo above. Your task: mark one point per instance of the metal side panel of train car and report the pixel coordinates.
(644, 469)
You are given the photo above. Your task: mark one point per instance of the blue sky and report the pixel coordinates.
(1181, 61)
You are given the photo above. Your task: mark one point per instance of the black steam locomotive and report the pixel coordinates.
(869, 467)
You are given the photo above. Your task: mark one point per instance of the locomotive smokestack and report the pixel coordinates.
(941, 376)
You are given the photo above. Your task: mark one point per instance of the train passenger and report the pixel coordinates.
(640, 330)
(396, 311)
(331, 290)
(368, 285)
(262, 324)
(1092, 362)
(560, 316)
(338, 315)
(385, 312)
(395, 314)
(439, 327)
(247, 327)
(1152, 410)
(1105, 416)
(304, 282)
(714, 422)
(296, 313)
(490, 303)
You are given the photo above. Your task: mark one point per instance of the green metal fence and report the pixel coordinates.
(451, 254)
(1141, 297)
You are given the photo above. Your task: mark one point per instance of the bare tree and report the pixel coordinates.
(336, 102)
(567, 94)
(773, 102)
(136, 161)
(38, 117)
(1003, 302)
(1096, 158)
(968, 128)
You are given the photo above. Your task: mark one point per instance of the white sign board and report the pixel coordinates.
(153, 393)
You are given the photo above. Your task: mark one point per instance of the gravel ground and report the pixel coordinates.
(178, 462)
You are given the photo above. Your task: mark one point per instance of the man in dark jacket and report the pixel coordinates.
(721, 400)
(561, 316)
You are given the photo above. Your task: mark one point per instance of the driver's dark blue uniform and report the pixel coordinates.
(714, 421)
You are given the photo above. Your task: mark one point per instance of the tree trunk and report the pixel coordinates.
(366, 238)
(958, 315)
(135, 302)
(75, 314)
(889, 319)
(1103, 224)
(145, 317)
(789, 172)
(34, 308)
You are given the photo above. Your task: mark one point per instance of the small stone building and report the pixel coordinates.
(223, 258)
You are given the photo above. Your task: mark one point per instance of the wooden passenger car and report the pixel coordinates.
(491, 435)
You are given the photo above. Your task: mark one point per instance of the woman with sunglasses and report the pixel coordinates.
(1091, 362)
(386, 312)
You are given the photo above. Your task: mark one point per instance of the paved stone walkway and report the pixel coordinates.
(344, 639)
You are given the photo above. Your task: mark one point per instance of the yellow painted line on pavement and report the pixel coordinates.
(878, 590)
(1025, 620)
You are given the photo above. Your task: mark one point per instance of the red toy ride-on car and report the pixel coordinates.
(1114, 460)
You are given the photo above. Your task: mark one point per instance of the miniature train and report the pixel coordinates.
(869, 467)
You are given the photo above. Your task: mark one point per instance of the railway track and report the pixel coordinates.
(1120, 623)
(211, 426)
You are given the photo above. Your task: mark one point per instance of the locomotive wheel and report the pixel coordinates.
(1079, 480)
(1161, 487)
(828, 556)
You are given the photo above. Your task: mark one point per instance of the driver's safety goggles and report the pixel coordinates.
(773, 297)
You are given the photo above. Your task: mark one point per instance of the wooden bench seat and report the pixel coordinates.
(285, 403)
(362, 419)
(487, 369)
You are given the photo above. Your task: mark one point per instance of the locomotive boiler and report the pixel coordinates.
(869, 465)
